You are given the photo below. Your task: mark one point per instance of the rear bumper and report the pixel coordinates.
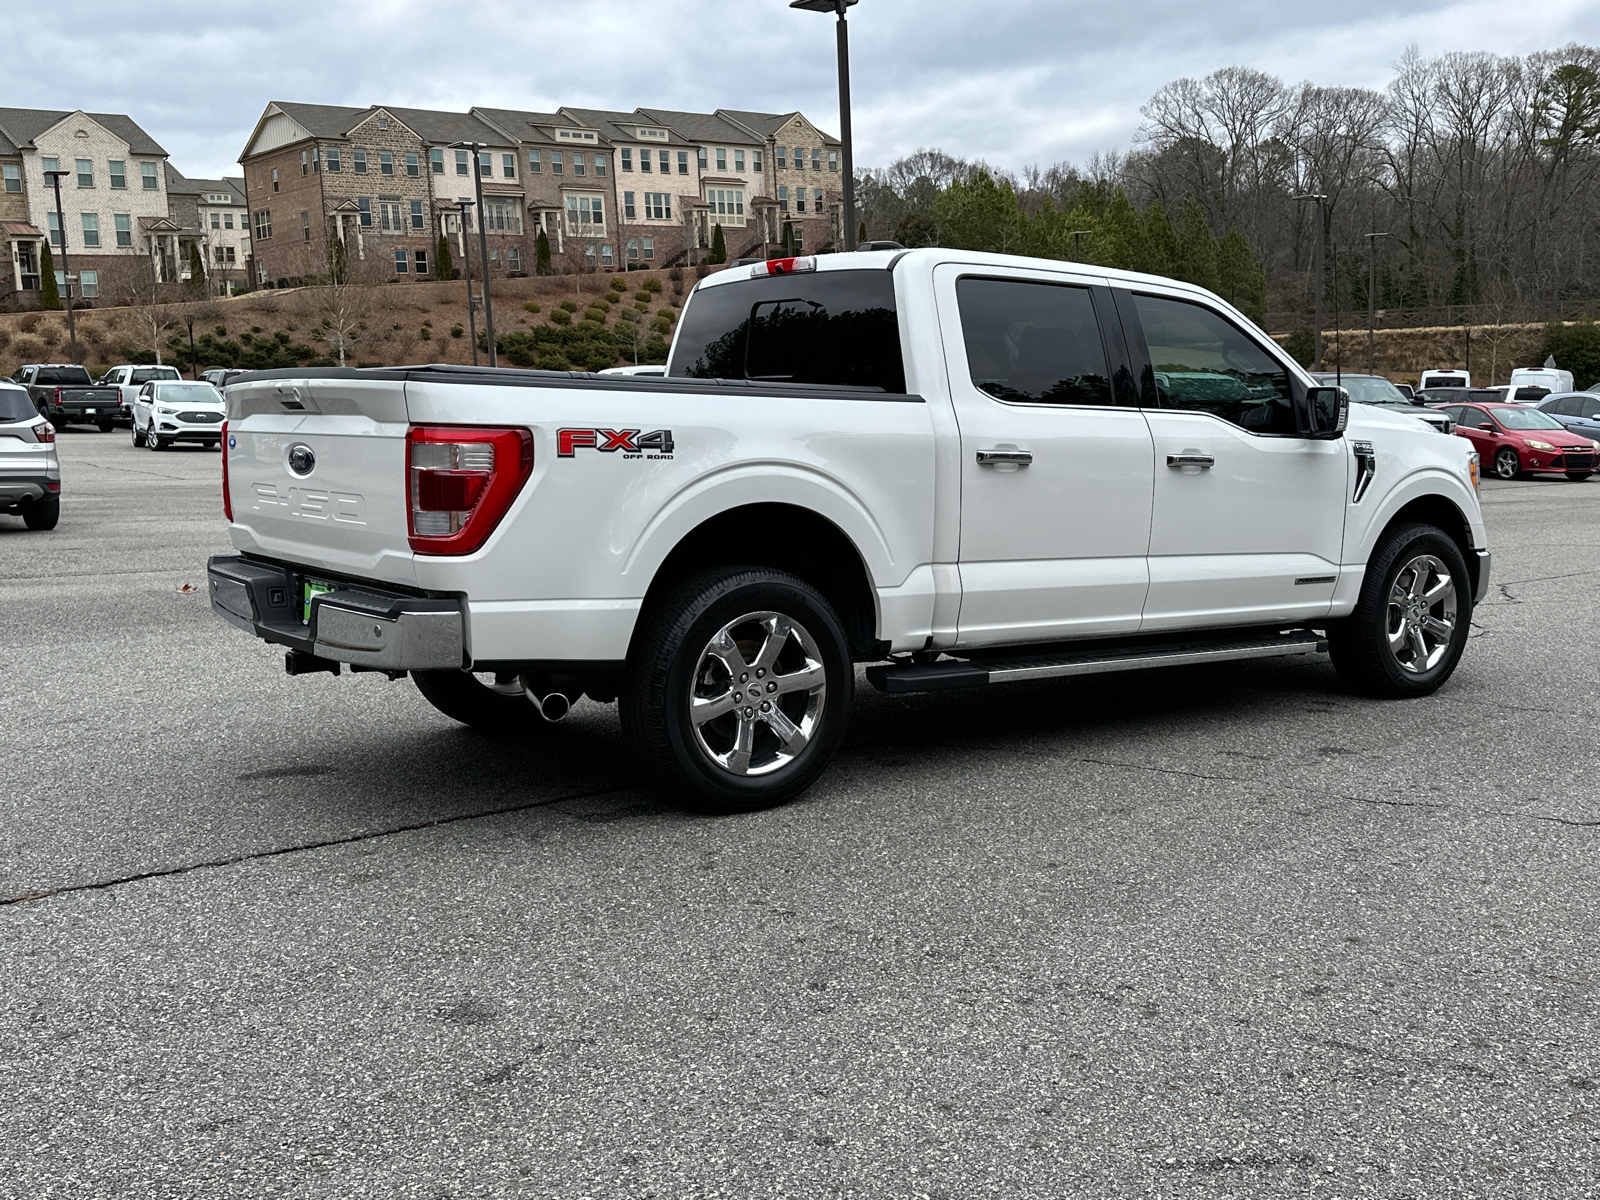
(363, 626)
(15, 489)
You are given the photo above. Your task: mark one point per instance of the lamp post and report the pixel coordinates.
(194, 365)
(1077, 243)
(1372, 293)
(1316, 269)
(483, 249)
(839, 6)
(61, 227)
(466, 267)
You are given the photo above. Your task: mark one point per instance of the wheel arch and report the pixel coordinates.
(813, 547)
(1440, 511)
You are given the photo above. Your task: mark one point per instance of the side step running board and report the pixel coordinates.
(930, 677)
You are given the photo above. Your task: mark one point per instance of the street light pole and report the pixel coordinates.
(466, 266)
(1372, 293)
(66, 271)
(483, 251)
(846, 145)
(1316, 269)
(194, 365)
(1077, 243)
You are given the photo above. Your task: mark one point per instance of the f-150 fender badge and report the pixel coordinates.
(633, 444)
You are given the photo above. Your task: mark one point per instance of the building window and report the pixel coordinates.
(85, 172)
(412, 167)
(416, 214)
(118, 171)
(514, 259)
(722, 159)
(816, 160)
(649, 248)
(232, 259)
(738, 160)
(305, 163)
(91, 229)
(263, 224)
(633, 249)
(360, 159)
(390, 217)
(333, 159)
(227, 220)
(508, 165)
(55, 228)
(123, 223)
(534, 165)
(216, 220)
(726, 203)
(783, 199)
(364, 203)
(436, 161)
(782, 158)
(305, 224)
(579, 166)
(799, 237)
(486, 164)
(383, 122)
(556, 166)
(799, 200)
(385, 163)
(13, 174)
(49, 165)
(274, 178)
(600, 164)
(799, 159)
(588, 255)
(658, 206)
(585, 214)
(461, 162)
(402, 262)
(833, 161)
(419, 259)
(89, 284)
(502, 216)
(755, 160)
(627, 206)
(644, 160)
(700, 156)
(683, 162)
(606, 256)
(217, 252)
(627, 158)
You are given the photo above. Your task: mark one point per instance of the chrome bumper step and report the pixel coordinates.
(1090, 660)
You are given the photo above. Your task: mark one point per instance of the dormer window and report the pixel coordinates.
(383, 122)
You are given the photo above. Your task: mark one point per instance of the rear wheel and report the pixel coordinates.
(738, 688)
(485, 702)
(1507, 465)
(42, 513)
(138, 437)
(105, 426)
(1411, 622)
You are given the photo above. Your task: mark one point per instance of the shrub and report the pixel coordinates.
(255, 329)
(29, 322)
(456, 331)
(443, 265)
(651, 284)
(1575, 348)
(641, 306)
(676, 274)
(619, 285)
(719, 247)
(1302, 345)
(369, 364)
(530, 306)
(702, 271)
(561, 316)
(50, 297)
(222, 331)
(569, 306)
(642, 296)
(27, 349)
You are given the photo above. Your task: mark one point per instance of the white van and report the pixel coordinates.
(1549, 378)
(1433, 379)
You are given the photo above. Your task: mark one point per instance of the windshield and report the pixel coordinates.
(146, 374)
(1526, 418)
(1370, 389)
(64, 376)
(15, 405)
(188, 393)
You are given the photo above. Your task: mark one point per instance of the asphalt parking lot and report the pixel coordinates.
(1216, 932)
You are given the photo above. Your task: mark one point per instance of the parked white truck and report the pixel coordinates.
(964, 469)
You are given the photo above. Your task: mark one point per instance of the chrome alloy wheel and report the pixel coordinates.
(1507, 463)
(757, 694)
(1421, 617)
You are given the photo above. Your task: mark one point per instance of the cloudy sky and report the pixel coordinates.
(1012, 81)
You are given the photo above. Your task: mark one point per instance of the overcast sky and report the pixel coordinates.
(1012, 81)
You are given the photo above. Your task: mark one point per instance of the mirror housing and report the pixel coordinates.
(1321, 411)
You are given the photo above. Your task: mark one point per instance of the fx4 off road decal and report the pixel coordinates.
(633, 444)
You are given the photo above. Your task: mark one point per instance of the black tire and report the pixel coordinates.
(138, 438)
(153, 440)
(1507, 463)
(1579, 476)
(667, 664)
(43, 513)
(105, 426)
(462, 696)
(1359, 644)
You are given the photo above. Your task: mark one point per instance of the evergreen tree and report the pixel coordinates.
(197, 267)
(1125, 241)
(1163, 241)
(719, 247)
(443, 265)
(861, 234)
(978, 214)
(916, 229)
(1196, 260)
(786, 245)
(1240, 280)
(541, 255)
(338, 265)
(50, 295)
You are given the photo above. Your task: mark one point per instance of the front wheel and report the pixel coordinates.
(152, 441)
(1579, 476)
(738, 688)
(485, 702)
(1506, 463)
(1410, 623)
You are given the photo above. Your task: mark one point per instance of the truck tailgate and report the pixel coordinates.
(317, 474)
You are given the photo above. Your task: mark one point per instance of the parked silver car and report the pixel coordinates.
(167, 411)
(30, 473)
(1380, 393)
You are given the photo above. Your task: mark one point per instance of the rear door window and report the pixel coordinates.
(1589, 408)
(1033, 343)
(64, 377)
(1204, 363)
(826, 327)
(16, 405)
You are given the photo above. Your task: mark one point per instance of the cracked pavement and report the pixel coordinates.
(1220, 931)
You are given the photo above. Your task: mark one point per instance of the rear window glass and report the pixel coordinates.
(827, 327)
(15, 405)
(146, 374)
(63, 376)
(1033, 342)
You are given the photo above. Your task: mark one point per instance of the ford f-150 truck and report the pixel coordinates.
(962, 469)
(63, 392)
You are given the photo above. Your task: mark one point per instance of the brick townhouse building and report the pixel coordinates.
(607, 188)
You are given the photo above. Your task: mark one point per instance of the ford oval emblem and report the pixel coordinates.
(232, 441)
(301, 461)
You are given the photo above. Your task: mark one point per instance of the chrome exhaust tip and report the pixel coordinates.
(552, 706)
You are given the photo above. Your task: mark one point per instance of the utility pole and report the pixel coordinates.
(1372, 294)
(477, 149)
(1077, 243)
(466, 268)
(1316, 270)
(847, 151)
(66, 271)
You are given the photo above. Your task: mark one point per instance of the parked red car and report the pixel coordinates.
(1513, 440)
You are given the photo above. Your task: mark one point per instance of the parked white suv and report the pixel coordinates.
(30, 473)
(167, 411)
(965, 469)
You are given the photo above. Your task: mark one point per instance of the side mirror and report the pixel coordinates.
(1321, 412)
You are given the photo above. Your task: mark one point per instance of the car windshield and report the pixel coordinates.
(15, 405)
(1370, 389)
(146, 374)
(1525, 418)
(188, 393)
(64, 376)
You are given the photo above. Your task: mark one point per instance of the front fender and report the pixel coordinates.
(1366, 527)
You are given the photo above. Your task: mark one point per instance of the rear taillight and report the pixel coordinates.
(784, 266)
(460, 481)
(45, 432)
(58, 395)
(227, 496)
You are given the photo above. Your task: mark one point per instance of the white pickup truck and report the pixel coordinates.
(964, 469)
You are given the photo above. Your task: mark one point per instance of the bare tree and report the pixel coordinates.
(340, 306)
(156, 308)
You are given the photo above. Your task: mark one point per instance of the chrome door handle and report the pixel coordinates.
(993, 458)
(1190, 460)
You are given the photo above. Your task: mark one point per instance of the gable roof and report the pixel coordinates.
(177, 185)
(616, 126)
(703, 127)
(434, 125)
(321, 120)
(217, 186)
(20, 126)
(532, 126)
(768, 124)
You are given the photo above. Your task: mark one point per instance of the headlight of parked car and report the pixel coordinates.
(1538, 445)
(164, 410)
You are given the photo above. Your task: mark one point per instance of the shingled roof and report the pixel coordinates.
(767, 124)
(19, 127)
